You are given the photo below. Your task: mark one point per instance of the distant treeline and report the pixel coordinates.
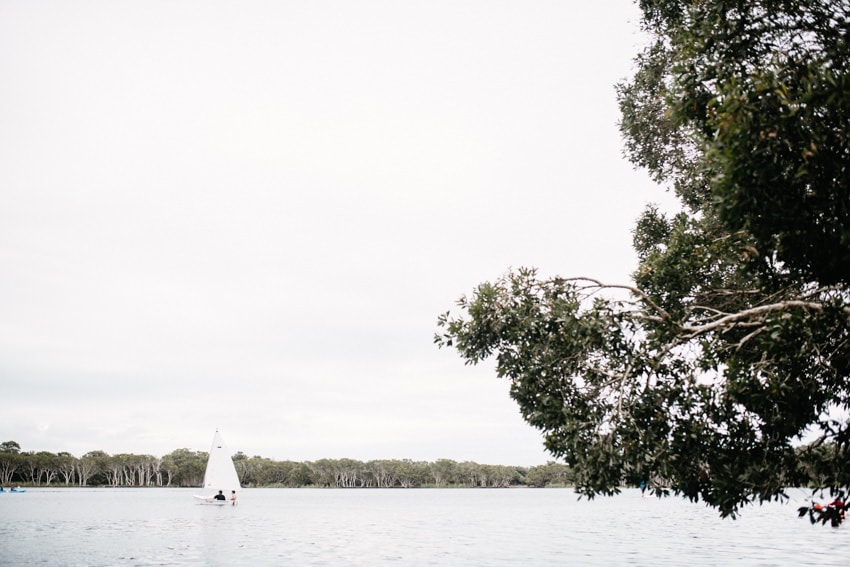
(185, 468)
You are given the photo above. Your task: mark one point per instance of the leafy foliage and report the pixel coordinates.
(184, 467)
(10, 447)
(730, 350)
(835, 512)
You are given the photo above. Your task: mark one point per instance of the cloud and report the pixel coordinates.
(249, 216)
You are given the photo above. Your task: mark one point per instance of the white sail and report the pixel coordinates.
(221, 472)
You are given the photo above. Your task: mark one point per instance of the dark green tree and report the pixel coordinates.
(721, 371)
(184, 467)
(550, 474)
(67, 466)
(10, 463)
(444, 472)
(91, 467)
(10, 447)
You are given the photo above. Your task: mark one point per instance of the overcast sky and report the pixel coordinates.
(247, 215)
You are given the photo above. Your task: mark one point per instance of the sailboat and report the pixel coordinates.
(220, 475)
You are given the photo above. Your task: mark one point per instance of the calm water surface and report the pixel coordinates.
(453, 527)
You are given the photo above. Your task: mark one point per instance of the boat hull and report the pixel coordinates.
(212, 501)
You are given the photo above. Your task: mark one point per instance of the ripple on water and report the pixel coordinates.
(400, 527)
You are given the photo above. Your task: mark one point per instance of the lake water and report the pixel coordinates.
(451, 527)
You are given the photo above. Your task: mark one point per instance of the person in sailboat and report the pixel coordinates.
(220, 496)
(233, 497)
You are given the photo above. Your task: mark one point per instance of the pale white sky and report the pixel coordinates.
(247, 215)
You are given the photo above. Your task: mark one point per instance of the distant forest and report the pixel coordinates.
(185, 468)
